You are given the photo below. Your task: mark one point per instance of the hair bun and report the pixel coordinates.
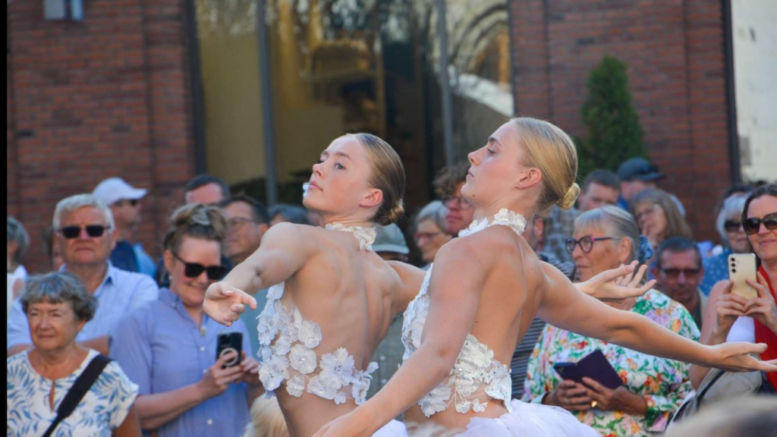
(394, 214)
(568, 201)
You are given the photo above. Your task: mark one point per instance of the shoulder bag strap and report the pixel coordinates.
(77, 392)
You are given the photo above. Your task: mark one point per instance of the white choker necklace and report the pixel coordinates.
(504, 217)
(366, 236)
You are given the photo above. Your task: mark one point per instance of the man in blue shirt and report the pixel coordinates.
(124, 201)
(84, 234)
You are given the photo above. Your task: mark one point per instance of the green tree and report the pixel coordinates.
(613, 130)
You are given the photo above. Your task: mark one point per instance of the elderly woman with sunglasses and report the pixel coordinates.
(733, 237)
(653, 387)
(169, 347)
(730, 317)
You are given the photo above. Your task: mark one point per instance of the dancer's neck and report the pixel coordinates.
(345, 221)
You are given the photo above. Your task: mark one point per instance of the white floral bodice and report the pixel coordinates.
(287, 344)
(475, 367)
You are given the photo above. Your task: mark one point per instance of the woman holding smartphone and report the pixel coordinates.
(483, 292)
(169, 346)
(731, 317)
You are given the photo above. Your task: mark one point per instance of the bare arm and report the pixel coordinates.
(155, 410)
(130, 427)
(412, 277)
(457, 280)
(562, 306)
(285, 249)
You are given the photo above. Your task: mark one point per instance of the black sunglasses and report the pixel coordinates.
(94, 231)
(753, 224)
(586, 243)
(133, 202)
(193, 270)
(732, 225)
(675, 273)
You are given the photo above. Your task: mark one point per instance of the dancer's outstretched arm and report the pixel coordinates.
(284, 250)
(563, 306)
(460, 270)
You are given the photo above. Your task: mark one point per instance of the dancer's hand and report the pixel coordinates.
(735, 357)
(620, 399)
(762, 308)
(617, 284)
(570, 396)
(352, 424)
(224, 303)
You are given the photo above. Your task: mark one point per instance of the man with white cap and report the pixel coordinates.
(124, 201)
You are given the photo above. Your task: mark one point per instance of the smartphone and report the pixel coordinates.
(229, 342)
(741, 266)
(594, 366)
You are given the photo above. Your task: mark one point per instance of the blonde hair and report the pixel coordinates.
(198, 221)
(550, 149)
(388, 175)
(266, 419)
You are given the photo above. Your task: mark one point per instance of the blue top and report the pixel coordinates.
(161, 349)
(715, 269)
(119, 293)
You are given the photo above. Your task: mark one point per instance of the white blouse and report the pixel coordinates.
(101, 411)
(742, 330)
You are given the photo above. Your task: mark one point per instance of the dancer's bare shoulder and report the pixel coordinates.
(411, 278)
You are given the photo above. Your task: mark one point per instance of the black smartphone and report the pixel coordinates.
(229, 342)
(594, 366)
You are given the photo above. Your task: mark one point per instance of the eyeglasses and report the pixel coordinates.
(586, 243)
(133, 202)
(731, 225)
(753, 224)
(675, 273)
(428, 235)
(646, 212)
(93, 231)
(459, 201)
(193, 270)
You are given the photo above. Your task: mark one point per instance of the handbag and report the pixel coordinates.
(720, 385)
(77, 392)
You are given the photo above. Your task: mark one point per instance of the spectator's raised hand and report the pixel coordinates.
(217, 379)
(250, 369)
(570, 396)
(762, 308)
(620, 399)
(730, 307)
(224, 303)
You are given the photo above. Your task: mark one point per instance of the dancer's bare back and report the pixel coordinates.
(351, 293)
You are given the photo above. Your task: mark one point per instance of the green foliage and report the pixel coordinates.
(613, 130)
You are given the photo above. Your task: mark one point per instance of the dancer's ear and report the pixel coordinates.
(529, 177)
(374, 197)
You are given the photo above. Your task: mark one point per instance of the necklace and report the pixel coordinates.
(366, 236)
(504, 217)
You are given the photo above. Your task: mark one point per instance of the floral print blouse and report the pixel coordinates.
(98, 414)
(664, 383)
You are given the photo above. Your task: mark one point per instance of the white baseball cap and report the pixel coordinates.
(112, 190)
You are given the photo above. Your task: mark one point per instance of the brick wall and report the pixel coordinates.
(104, 97)
(675, 53)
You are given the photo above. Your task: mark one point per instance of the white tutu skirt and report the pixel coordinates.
(529, 420)
(394, 428)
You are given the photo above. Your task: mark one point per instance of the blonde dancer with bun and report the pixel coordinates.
(482, 293)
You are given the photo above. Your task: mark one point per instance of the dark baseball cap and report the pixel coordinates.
(638, 169)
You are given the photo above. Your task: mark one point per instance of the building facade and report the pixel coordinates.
(252, 91)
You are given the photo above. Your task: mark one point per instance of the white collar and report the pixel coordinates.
(366, 236)
(504, 217)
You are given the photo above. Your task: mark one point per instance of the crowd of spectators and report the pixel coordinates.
(107, 297)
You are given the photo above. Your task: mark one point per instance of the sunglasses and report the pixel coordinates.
(586, 243)
(94, 231)
(753, 224)
(458, 201)
(675, 273)
(428, 235)
(133, 202)
(732, 225)
(193, 270)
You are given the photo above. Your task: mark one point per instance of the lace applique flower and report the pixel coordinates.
(436, 400)
(478, 407)
(309, 333)
(366, 236)
(325, 384)
(302, 359)
(340, 363)
(296, 386)
(273, 371)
